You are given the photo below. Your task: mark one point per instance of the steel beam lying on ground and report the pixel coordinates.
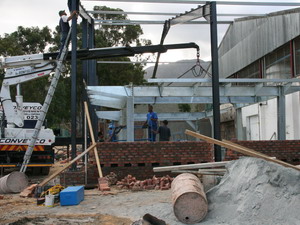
(190, 166)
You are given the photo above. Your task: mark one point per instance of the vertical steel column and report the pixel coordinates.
(73, 84)
(215, 78)
(130, 118)
(84, 94)
(92, 77)
(84, 46)
(281, 122)
(84, 62)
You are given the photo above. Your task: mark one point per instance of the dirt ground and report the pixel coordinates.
(253, 191)
(117, 207)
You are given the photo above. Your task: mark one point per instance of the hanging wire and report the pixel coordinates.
(197, 70)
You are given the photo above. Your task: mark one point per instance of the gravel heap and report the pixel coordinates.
(255, 191)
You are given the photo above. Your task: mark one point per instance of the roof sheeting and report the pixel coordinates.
(247, 40)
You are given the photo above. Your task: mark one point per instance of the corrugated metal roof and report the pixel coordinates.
(250, 38)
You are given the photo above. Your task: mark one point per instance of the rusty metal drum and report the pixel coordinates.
(189, 199)
(14, 182)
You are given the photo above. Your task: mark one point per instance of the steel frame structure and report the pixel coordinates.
(89, 67)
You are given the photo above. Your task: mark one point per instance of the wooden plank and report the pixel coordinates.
(239, 148)
(66, 166)
(93, 139)
(190, 166)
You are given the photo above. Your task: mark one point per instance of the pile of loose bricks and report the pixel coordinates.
(155, 183)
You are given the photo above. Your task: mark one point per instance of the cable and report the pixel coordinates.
(201, 72)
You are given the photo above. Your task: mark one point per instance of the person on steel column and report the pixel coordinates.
(151, 122)
(64, 26)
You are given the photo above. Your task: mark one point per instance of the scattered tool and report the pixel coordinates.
(53, 190)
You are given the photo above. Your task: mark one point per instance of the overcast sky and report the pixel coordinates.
(28, 13)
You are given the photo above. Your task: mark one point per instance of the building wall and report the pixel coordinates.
(265, 126)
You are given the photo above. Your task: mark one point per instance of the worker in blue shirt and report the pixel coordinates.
(151, 123)
(111, 133)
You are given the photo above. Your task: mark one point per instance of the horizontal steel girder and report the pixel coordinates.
(174, 100)
(116, 115)
(109, 115)
(173, 116)
(108, 102)
(193, 91)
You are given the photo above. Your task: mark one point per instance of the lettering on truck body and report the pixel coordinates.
(22, 141)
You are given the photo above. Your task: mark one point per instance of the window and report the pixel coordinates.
(278, 63)
(251, 71)
(297, 56)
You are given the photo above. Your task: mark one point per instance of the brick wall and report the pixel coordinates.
(139, 158)
(288, 150)
(72, 178)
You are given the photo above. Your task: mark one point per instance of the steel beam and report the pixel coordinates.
(104, 101)
(200, 91)
(74, 85)
(108, 102)
(153, 22)
(173, 116)
(281, 121)
(166, 13)
(109, 115)
(204, 2)
(197, 13)
(130, 119)
(236, 80)
(84, 14)
(215, 78)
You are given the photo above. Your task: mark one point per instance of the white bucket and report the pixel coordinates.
(49, 200)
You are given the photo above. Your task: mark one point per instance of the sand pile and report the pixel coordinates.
(255, 191)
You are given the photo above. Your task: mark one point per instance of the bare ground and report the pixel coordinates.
(118, 207)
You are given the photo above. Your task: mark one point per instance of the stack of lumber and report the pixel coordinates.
(212, 168)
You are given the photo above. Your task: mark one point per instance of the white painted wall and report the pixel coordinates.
(260, 120)
(293, 116)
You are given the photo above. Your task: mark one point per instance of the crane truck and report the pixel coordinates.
(19, 119)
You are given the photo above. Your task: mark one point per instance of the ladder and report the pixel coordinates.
(58, 70)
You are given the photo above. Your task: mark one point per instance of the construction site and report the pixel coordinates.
(197, 141)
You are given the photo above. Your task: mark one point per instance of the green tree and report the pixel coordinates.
(25, 41)
(118, 35)
(184, 108)
(34, 40)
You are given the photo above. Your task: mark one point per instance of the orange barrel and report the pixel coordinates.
(189, 199)
(14, 182)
